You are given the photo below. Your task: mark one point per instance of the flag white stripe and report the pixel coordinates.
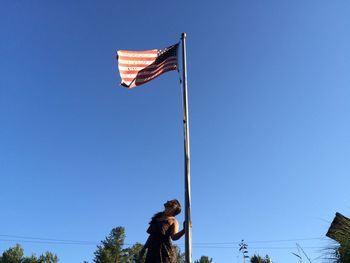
(126, 62)
(139, 67)
(135, 62)
(132, 68)
(146, 73)
(151, 77)
(138, 81)
(151, 51)
(138, 55)
(141, 61)
(151, 67)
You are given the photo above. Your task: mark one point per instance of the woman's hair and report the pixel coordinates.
(175, 204)
(156, 216)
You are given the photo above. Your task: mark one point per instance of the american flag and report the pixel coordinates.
(139, 67)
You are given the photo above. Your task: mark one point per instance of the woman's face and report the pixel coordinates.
(167, 203)
(168, 208)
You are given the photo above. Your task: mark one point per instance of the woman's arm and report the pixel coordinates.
(176, 235)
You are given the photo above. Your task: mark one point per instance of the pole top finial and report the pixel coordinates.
(183, 35)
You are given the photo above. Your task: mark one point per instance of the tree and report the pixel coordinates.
(133, 254)
(259, 259)
(12, 255)
(48, 257)
(16, 255)
(204, 259)
(111, 251)
(180, 257)
(32, 259)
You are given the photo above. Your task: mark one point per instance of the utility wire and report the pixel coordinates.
(46, 242)
(287, 240)
(28, 239)
(220, 247)
(128, 244)
(48, 239)
(263, 241)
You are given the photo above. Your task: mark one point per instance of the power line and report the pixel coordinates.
(287, 240)
(46, 242)
(263, 241)
(256, 247)
(129, 244)
(48, 239)
(232, 244)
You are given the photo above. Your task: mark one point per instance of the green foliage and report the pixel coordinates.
(13, 255)
(32, 259)
(133, 254)
(48, 257)
(180, 257)
(204, 259)
(259, 259)
(16, 255)
(111, 251)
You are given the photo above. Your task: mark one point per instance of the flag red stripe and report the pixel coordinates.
(143, 65)
(142, 81)
(137, 58)
(133, 65)
(150, 76)
(139, 67)
(138, 82)
(151, 67)
(143, 74)
(154, 51)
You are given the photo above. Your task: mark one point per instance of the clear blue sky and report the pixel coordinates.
(269, 92)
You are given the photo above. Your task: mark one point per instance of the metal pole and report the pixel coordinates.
(188, 235)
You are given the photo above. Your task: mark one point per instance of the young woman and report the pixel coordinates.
(163, 228)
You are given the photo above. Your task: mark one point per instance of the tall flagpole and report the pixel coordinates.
(188, 234)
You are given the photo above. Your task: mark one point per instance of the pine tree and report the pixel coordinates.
(111, 249)
(204, 259)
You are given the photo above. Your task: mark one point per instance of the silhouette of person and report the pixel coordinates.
(163, 228)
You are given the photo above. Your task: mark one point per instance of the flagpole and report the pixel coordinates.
(188, 234)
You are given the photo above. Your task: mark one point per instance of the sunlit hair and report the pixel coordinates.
(175, 204)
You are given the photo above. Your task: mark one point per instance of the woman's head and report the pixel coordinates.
(172, 207)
